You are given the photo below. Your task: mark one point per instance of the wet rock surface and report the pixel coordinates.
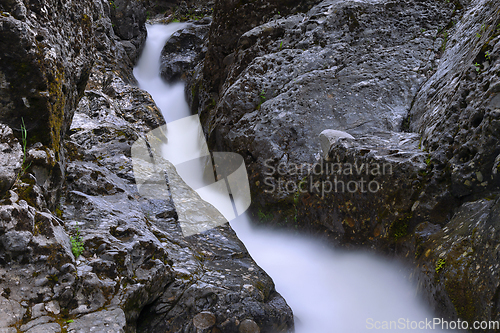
(233, 19)
(350, 67)
(456, 110)
(407, 94)
(134, 246)
(184, 50)
(456, 114)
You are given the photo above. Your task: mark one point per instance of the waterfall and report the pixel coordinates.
(328, 289)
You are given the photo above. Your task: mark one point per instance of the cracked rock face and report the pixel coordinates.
(353, 67)
(136, 257)
(410, 86)
(46, 59)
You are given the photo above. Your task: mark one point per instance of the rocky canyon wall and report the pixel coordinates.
(80, 249)
(398, 95)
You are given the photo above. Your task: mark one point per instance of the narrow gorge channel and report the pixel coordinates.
(353, 146)
(328, 289)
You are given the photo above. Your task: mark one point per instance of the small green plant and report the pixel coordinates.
(112, 3)
(77, 242)
(487, 55)
(262, 97)
(24, 137)
(478, 67)
(281, 45)
(445, 41)
(428, 160)
(440, 265)
(399, 228)
(483, 29)
(24, 141)
(69, 321)
(53, 278)
(263, 217)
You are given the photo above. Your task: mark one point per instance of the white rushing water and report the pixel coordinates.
(169, 98)
(329, 290)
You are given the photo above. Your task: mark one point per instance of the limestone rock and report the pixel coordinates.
(43, 77)
(102, 321)
(204, 319)
(10, 158)
(333, 67)
(416, 85)
(184, 50)
(136, 257)
(10, 312)
(329, 137)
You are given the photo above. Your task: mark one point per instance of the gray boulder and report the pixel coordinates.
(184, 50)
(344, 66)
(45, 62)
(10, 158)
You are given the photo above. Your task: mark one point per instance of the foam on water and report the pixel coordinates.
(169, 97)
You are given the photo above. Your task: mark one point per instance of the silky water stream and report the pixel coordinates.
(329, 290)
